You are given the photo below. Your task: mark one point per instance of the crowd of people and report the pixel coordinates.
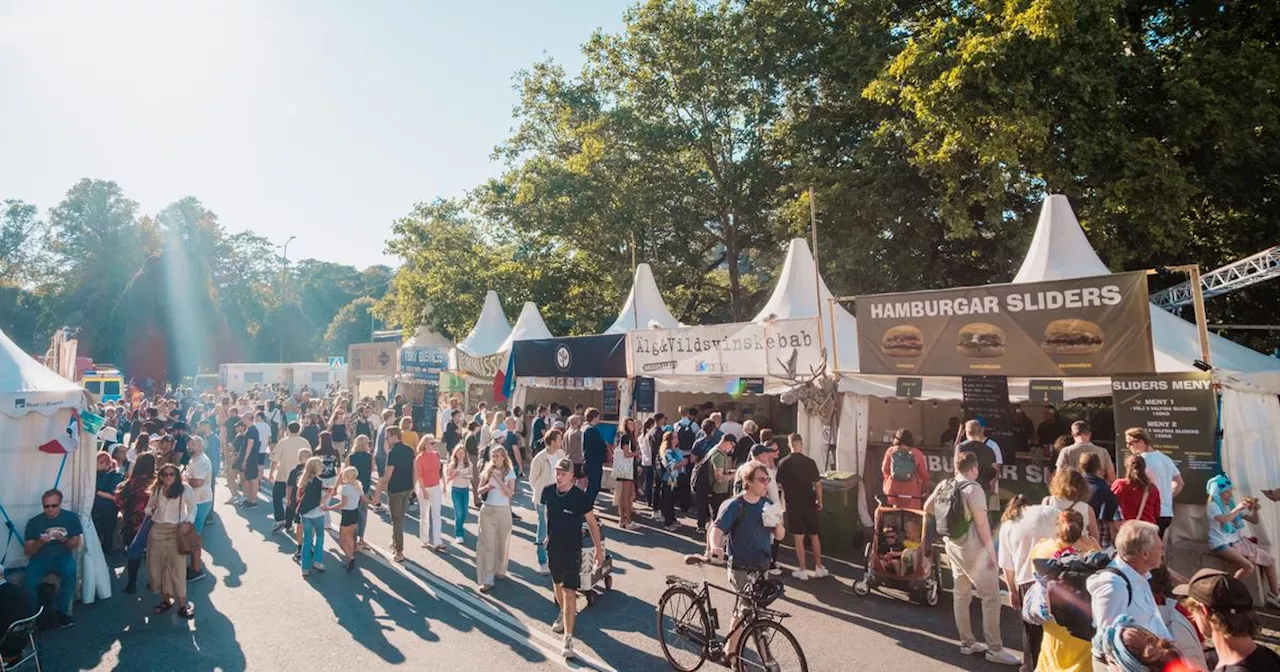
(1084, 567)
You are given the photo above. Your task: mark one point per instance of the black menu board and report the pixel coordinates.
(987, 398)
(909, 387)
(1179, 411)
(753, 385)
(644, 394)
(609, 407)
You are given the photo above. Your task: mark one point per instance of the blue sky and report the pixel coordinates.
(322, 120)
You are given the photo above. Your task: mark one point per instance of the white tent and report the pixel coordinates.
(36, 406)
(798, 293)
(644, 307)
(1060, 250)
(491, 330)
(529, 326)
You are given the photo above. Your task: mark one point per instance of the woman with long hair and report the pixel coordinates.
(905, 477)
(674, 464)
(1059, 650)
(349, 498)
(104, 510)
(132, 497)
(1069, 491)
(644, 479)
(339, 429)
(625, 453)
(1022, 525)
(497, 486)
(1139, 498)
(426, 479)
(172, 510)
(459, 474)
(310, 512)
(362, 460)
(141, 444)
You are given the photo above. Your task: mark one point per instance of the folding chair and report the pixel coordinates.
(26, 628)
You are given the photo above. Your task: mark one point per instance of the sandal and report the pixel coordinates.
(187, 611)
(162, 607)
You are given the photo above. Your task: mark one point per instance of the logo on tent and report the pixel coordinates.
(20, 403)
(564, 357)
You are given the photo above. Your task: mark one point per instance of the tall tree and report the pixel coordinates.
(352, 324)
(23, 236)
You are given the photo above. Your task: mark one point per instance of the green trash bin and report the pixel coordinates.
(838, 522)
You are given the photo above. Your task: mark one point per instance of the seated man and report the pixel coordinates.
(51, 541)
(13, 607)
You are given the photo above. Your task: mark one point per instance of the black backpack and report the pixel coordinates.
(686, 435)
(701, 479)
(1065, 581)
(949, 509)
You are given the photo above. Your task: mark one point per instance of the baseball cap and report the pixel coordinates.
(760, 448)
(1216, 590)
(565, 464)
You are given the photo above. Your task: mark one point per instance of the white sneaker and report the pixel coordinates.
(567, 651)
(800, 575)
(971, 649)
(1003, 657)
(544, 570)
(558, 626)
(819, 572)
(776, 571)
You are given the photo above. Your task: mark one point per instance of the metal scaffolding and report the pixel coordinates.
(1260, 267)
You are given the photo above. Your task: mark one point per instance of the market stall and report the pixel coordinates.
(475, 360)
(422, 359)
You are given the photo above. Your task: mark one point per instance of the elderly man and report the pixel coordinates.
(51, 541)
(1125, 588)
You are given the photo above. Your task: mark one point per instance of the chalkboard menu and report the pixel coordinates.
(909, 387)
(987, 399)
(1045, 391)
(644, 394)
(609, 407)
(430, 404)
(753, 385)
(1179, 412)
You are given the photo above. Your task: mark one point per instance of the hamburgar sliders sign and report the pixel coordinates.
(1078, 327)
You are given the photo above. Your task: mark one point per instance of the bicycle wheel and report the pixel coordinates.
(683, 629)
(767, 646)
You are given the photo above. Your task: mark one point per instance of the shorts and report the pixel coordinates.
(1252, 553)
(350, 517)
(740, 580)
(566, 566)
(251, 469)
(802, 519)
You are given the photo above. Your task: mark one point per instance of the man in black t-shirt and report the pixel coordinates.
(249, 462)
(568, 507)
(398, 484)
(989, 461)
(801, 486)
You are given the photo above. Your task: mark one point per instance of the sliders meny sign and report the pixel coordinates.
(1078, 327)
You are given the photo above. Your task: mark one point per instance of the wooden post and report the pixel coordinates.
(817, 277)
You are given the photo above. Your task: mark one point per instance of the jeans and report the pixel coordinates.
(399, 501)
(312, 541)
(429, 514)
(647, 479)
(64, 567)
(279, 492)
(539, 541)
(202, 515)
(461, 500)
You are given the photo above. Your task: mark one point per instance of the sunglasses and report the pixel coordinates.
(762, 479)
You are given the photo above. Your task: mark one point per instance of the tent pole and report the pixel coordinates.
(817, 277)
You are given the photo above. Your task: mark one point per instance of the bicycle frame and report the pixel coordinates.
(750, 611)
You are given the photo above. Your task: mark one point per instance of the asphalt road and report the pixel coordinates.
(256, 612)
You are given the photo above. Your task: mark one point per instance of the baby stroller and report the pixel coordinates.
(595, 579)
(900, 555)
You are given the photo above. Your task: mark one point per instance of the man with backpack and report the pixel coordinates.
(712, 479)
(959, 506)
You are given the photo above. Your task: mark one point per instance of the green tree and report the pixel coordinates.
(23, 236)
(352, 324)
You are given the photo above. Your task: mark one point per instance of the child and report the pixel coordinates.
(291, 493)
(350, 496)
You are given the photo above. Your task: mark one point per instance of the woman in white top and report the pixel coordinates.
(497, 486)
(458, 474)
(1069, 490)
(172, 509)
(350, 495)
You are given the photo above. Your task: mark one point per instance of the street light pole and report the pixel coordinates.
(284, 273)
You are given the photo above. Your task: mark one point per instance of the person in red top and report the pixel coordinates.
(1139, 498)
(426, 472)
(906, 477)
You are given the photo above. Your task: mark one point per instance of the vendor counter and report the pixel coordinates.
(1028, 473)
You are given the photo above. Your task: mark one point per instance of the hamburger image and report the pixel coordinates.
(981, 339)
(1071, 337)
(904, 340)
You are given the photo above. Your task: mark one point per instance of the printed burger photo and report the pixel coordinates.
(1072, 337)
(981, 339)
(903, 340)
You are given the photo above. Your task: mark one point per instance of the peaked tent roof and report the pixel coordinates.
(644, 307)
(529, 326)
(1059, 250)
(795, 295)
(491, 330)
(28, 386)
(423, 337)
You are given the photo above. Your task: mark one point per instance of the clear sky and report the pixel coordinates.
(320, 119)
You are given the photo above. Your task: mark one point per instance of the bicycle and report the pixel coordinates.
(688, 628)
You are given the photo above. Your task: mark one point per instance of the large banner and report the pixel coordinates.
(603, 356)
(1077, 327)
(781, 348)
(480, 367)
(1179, 411)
